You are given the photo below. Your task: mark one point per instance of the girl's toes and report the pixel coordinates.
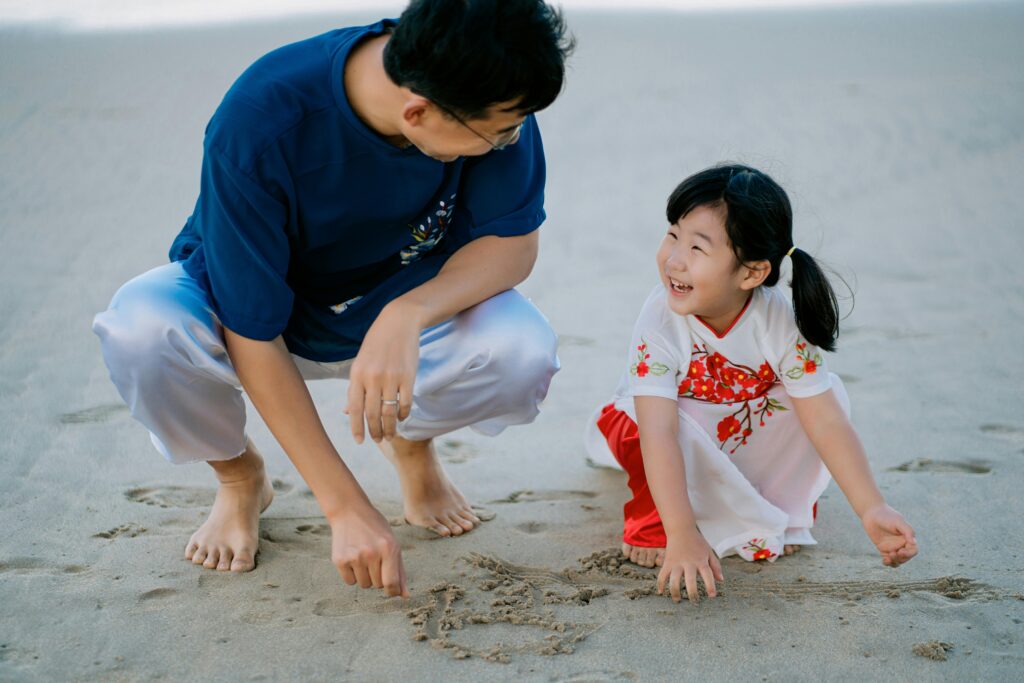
(212, 559)
(199, 556)
(225, 561)
(626, 549)
(243, 561)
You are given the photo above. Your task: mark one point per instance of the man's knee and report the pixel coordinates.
(147, 320)
(522, 347)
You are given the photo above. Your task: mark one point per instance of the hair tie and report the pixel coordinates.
(791, 250)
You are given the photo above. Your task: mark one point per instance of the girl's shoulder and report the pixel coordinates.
(773, 310)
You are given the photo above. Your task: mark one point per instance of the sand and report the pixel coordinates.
(900, 135)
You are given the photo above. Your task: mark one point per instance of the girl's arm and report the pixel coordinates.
(687, 554)
(828, 428)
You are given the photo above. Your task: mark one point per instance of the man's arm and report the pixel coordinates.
(363, 547)
(385, 367)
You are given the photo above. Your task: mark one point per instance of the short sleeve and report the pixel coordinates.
(503, 191)
(654, 360)
(802, 368)
(245, 248)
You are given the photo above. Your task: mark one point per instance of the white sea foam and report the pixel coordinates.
(91, 15)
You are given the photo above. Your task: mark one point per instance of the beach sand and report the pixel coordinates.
(899, 134)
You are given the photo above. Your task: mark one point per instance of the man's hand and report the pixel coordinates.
(891, 534)
(685, 559)
(366, 553)
(384, 370)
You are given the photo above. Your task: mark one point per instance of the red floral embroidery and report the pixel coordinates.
(641, 368)
(728, 427)
(809, 362)
(759, 547)
(715, 379)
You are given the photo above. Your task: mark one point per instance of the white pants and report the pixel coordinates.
(486, 368)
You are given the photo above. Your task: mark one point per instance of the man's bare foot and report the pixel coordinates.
(228, 538)
(790, 549)
(431, 499)
(645, 557)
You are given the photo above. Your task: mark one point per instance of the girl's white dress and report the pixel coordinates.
(753, 475)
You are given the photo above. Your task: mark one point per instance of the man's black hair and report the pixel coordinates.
(467, 55)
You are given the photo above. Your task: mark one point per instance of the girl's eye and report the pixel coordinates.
(672, 235)
(696, 248)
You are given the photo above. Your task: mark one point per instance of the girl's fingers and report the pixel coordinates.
(691, 585)
(662, 575)
(706, 573)
(716, 567)
(673, 584)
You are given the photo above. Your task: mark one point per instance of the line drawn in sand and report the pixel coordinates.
(523, 602)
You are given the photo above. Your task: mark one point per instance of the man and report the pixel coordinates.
(369, 198)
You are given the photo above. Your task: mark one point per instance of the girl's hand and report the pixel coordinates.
(890, 533)
(685, 558)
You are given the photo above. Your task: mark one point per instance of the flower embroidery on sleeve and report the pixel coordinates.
(641, 368)
(808, 363)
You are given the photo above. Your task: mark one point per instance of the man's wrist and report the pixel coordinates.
(408, 309)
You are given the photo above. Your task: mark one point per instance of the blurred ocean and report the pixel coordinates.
(92, 15)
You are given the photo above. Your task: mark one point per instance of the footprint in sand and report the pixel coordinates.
(550, 495)
(281, 486)
(158, 593)
(103, 413)
(1007, 432)
(32, 565)
(455, 452)
(313, 529)
(531, 527)
(171, 497)
(127, 530)
(597, 677)
(942, 466)
(566, 340)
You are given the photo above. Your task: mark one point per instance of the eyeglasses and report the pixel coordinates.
(504, 141)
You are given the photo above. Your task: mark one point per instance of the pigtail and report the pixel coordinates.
(814, 302)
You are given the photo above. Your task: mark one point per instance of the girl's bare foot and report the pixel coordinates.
(431, 500)
(645, 557)
(228, 539)
(790, 549)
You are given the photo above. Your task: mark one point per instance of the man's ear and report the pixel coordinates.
(414, 110)
(755, 273)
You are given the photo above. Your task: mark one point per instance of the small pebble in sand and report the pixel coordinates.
(933, 649)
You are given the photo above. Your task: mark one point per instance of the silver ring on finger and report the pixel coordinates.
(384, 402)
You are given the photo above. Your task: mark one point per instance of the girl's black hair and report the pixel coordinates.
(468, 55)
(759, 223)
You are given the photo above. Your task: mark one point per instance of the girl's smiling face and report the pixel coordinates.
(700, 271)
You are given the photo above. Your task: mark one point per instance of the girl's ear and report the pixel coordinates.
(756, 272)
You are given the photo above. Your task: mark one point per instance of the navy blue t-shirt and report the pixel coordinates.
(308, 222)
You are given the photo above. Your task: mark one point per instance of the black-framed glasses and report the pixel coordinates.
(506, 139)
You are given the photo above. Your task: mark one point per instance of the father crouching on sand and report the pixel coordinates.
(369, 198)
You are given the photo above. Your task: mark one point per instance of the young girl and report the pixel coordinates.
(727, 417)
